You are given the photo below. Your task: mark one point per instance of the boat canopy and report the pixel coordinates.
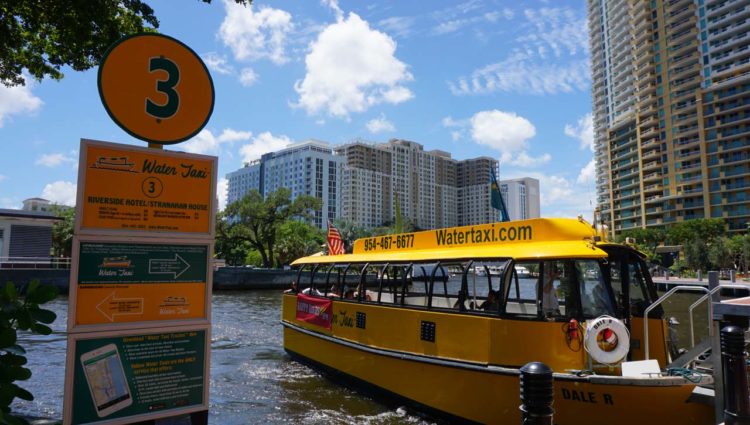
(524, 239)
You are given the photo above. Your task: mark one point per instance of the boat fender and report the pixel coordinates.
(607, 340)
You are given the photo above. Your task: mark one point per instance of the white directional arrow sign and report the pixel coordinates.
(111, 306)
(175, 267)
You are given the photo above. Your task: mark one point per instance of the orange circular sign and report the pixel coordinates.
(156, 88)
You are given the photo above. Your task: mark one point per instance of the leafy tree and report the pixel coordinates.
(705, 229)
(719, 254)
(62, 231)
(233, 252)
(739, 250)
(256, 220)
(645, 239)
(20, 313)
(696, 254)
(43, 36)
(350, 232)
(297, 239)
(253, 258)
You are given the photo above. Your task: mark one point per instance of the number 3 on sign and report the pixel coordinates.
(144, 82)
(168, 109)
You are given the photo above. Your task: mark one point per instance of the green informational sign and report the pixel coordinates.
(125, 376)
(141, 263)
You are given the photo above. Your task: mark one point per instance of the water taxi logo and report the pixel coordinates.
(121, 163)
(115, 262)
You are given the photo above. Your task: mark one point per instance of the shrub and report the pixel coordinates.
(20, 313)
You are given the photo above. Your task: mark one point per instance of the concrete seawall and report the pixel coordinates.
(225, 278)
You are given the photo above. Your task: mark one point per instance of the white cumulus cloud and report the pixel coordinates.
(351, 67)
(60, 192)
(54, 159)
(587, 173)
(523, 159)
(263, 143)
(18, 100)
(380, 125)
(248, 77)
(256, 34)
(221, 192)
(217, 63)
(583, 130)
(208, 143)
(505, 132)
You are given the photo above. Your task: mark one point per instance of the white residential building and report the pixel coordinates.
(306, 168)
(521, 197)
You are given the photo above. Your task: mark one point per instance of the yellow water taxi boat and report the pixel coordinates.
(391, 318)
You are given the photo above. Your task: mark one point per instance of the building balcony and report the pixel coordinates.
(651, 177)
(715, 11)
(727, 31)
(653, 199)
(739, 51)
(729, 43)
(651, 155)
(648, 166)
(684, 74)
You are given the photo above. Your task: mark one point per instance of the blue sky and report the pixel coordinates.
(507, 79)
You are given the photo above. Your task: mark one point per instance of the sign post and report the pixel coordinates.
(139, 316)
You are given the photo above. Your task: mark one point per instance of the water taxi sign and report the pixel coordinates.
(156, 88)
(127, 282)
(522, 231)
(127, 188)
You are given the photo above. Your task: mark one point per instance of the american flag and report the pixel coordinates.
(335, 244)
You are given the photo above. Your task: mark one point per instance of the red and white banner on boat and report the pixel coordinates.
(315, 311)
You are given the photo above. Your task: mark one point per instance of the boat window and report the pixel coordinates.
(366, 290)
(634, 296)
(483, 287)
(446, 288)
(595, 299)
(416, 292)
(522, 289)
(392, 280)
(342, 280)
(638, 293)
(557, 293)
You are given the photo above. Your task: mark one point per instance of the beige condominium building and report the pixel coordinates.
(671, 108)
(433, 190)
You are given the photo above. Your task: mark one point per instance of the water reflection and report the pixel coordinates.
(252, 378)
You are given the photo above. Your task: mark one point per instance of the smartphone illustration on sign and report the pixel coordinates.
(106, 379)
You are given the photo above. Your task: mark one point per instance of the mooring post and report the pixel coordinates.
(537, 394)
(734, 368)
(713, 282)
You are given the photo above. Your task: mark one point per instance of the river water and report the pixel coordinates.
(252, 379)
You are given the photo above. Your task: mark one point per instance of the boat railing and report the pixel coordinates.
(667, 295)
(704, 298)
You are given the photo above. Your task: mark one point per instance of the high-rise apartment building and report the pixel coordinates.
(521, 197)
(431, 188)
(306, 168)
(671, 106)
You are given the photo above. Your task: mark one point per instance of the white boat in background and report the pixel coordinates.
(522, 272)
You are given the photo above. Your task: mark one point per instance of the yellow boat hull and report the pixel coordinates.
(491, 395)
